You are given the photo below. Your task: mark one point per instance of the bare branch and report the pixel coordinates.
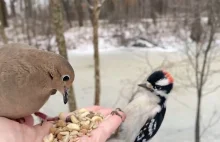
(89, 2)
(148, 63)
(101, 3)
(127, 97)
(211, 91)
(182, 103)
(211, 123)
(204, 64)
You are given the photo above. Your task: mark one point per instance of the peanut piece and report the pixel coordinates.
(73, 126)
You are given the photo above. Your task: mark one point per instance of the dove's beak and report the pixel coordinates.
(65, 95)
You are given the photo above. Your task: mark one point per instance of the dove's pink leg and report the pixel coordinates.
(45, 117)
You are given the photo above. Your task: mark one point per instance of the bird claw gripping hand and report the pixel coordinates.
(115, 112)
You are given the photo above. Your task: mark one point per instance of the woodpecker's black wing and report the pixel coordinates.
(151, 126)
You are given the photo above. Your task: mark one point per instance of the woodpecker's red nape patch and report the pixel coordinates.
(168, 76)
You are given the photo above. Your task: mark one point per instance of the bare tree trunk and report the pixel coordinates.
(90, 10)
(210, 12)
(196, 28)
(33, 28)
(79, 10)
(21, 5)
(201, 78)
(28, 31)
(28, 15)
(95, 23)
(28, 8)
(66, 10)
(198, 113)
(127, 11)
(153, 12)
(58, 28)
(2, 19)
(12, 6)
(49, 35)
(4, 14)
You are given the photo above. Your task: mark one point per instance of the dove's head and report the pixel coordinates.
(62, 76)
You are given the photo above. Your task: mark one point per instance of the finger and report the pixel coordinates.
(42, 130)
(111, 123)
(94, 108)
(64, 115)
(29, 120)
(107, 113)
(106, 128)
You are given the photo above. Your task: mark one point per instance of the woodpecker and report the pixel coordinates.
(146, 111)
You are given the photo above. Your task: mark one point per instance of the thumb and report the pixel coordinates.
(42, 130)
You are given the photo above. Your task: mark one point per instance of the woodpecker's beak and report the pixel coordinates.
(65, 95)
(147, 86)
(143, 85)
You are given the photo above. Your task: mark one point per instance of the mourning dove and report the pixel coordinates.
(28, 77)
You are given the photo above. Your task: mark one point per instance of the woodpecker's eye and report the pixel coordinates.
(158, 87)
(66, 77)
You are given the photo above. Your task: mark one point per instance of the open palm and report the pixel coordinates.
(12, 131)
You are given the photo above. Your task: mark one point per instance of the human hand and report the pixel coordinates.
(12, 131)
(105, 128)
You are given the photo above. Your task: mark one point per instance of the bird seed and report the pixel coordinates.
(69, 129)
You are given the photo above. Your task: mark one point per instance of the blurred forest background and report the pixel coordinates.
(139, 36)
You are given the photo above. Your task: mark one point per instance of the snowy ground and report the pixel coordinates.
(120, 65)
(110, 36)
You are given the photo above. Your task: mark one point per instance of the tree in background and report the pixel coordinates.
(58, 28)
(201, 53)
(94, 8)
(79, 10)
(201, 60)
(4, 13)
(28, 8)
(67, 11)
(4, 23)
(12, 7)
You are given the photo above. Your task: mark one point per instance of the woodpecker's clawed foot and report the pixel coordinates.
(116, 112)
(118, 109)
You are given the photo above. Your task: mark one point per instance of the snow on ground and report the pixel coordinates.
(110, 36)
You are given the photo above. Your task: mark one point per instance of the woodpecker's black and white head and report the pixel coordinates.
(160, 82)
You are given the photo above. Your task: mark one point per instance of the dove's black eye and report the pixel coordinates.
(66, 77)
